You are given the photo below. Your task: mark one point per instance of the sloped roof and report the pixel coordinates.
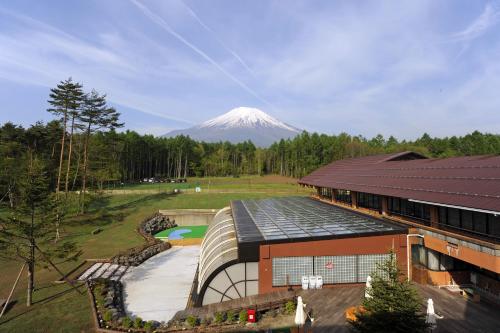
(470, 181)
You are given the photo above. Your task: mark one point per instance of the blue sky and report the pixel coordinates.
(363, 67)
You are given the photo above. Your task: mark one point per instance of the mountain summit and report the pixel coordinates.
(241, 124)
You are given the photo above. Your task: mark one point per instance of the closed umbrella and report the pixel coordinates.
(430, 319)
(300, 316)
(368, 287)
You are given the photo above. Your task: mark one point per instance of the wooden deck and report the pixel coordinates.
(328, 308)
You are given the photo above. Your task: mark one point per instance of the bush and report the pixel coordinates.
(219, 317)
(149, 326)
(138, 323)
(231, 316)
(108, 316)
(243, 317)
(127, 322)
(290, 307)
(192, 321)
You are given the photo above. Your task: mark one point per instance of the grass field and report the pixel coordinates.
(58, 308)
(195, 231)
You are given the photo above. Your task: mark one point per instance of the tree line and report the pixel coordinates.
(45, 164)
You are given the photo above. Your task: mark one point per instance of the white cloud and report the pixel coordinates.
(488, 18)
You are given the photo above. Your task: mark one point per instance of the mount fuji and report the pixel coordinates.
(238, 125)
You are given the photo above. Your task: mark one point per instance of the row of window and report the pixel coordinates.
(333, 269)
(486, 224)
(343, 196)
(479, 223)
(370, 201)
(409, 208)
(434, 260)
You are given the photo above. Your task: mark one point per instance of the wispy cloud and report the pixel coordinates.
(488, 18)
(161, 22)
(219, 40)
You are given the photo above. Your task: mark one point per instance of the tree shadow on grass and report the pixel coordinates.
(40, 302)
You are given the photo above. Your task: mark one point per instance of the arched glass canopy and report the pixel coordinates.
(220, 276)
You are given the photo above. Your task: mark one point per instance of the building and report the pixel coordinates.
(453, 204)
(259, 246)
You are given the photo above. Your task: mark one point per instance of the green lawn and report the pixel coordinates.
(196, 231)
(57, 307)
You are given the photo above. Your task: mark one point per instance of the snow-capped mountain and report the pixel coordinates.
(241, 124)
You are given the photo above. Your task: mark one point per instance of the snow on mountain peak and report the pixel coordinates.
(246, 117)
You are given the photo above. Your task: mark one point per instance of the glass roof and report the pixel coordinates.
(301, 217)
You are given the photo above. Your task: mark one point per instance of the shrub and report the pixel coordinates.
(127, 322)
(108, 316)
(138, 323)
(219, 317)
(192, 321)
(149, 326)
(290, 307)
(243, 317)
(230, 316)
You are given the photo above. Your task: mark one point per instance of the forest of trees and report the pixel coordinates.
(82, 148)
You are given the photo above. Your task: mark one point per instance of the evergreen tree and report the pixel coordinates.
(394, 304)
(96, 115)
(28, 227)
(65, 101)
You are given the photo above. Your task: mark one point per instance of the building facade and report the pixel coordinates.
(260, 246)
(453, 204)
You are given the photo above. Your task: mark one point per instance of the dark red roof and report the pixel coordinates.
(471, 181)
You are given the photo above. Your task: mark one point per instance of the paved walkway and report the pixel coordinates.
(160, 286)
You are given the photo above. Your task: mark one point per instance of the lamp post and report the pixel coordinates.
(408, 251)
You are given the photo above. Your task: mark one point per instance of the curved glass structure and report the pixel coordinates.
(220, 276)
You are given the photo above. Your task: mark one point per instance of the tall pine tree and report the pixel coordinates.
(65, 101)
(96, 115)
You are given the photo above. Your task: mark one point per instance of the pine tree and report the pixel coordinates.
(28, 227)
(394, 305)
(65, 100)
(96, 115)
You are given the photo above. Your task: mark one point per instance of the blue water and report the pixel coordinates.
(177, 234)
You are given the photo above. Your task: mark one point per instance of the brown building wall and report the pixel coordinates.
(334, 247)
(426, 276)
(480, 259)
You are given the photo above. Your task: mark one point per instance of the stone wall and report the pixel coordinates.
(154, 224)
(137, 255)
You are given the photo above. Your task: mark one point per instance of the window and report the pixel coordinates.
(475, 222)
(343, 196)
(325, 192)
(333, 269)
(494, 225)
(410, 209)
(467, 220)
(454, 217)
(433, 260)
(289, 270)
(370, 201)
(480, 222)
(336, 269)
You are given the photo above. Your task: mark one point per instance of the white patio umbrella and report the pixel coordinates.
(300, 316)
(368, 287)
(431, 315)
